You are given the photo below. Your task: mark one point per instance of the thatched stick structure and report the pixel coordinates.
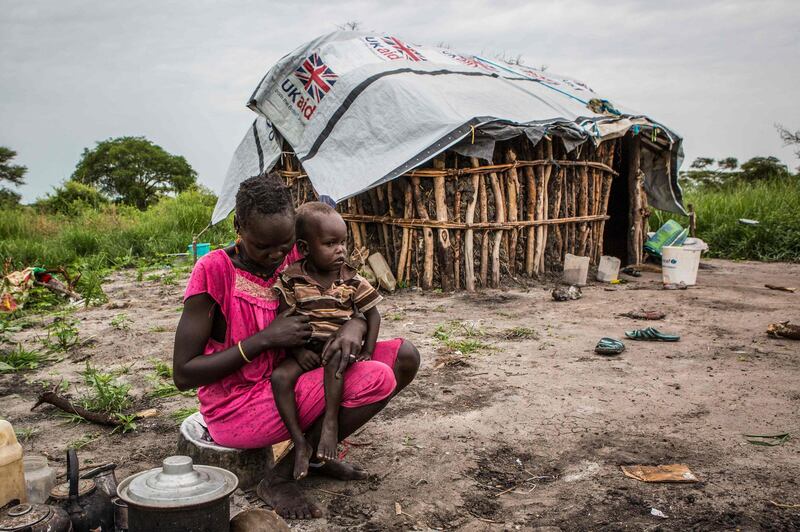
(460, 222)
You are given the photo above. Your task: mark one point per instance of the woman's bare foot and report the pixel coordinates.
(340, 470)
(287, 500)
(302, 455)
(328, 439)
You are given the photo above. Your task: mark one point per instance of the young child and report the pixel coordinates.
(326, 289)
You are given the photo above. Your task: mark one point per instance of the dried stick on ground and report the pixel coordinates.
(62, 403)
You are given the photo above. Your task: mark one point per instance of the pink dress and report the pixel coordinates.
(239, 409)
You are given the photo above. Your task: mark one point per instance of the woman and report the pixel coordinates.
(230, 338)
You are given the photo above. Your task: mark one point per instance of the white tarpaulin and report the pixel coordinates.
(359, 109)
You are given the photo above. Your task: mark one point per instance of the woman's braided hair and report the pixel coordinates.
(263, 194)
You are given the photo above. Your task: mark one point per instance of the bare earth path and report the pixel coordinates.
(530, 430)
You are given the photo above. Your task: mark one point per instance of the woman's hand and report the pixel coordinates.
(287, 330)
(348, 341)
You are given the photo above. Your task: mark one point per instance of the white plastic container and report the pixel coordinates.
(383, 273)
(576, 269)
(39, 478)
(679, 265)
(12, 475)
(608, 269)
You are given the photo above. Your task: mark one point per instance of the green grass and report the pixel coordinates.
(775, 204)
(520, 333)
(121, 322)
(182, 413)
(461, 336)
(104, 392)
(112, 236)
(20, 359)
(62, 334)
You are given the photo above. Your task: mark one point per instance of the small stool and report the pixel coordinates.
(249, 465)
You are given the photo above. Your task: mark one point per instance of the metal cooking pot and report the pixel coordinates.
(179, 496)
(35, 518)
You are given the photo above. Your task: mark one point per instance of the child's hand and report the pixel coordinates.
(306, 358)
(364, 355)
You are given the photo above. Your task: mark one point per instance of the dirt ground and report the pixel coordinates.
(530, 430)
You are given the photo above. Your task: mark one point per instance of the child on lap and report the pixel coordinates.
(323, 287)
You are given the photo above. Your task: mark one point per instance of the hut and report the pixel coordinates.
(459, 169)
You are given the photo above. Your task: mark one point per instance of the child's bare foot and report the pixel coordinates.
(340, 470)
(302, 455)
(328, 441)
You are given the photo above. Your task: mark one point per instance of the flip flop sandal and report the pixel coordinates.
(651, 334)
(609, 346)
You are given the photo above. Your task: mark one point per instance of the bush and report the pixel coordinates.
(109, 235)
(71, 199)
(774, 203)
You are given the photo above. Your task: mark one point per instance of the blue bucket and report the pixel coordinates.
(202, 248)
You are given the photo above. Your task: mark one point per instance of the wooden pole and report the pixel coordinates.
(548, 173)
(632, 151)
(500, 217)
(427, 232)
(583, 208)
(469, 217)
(383, 231)
(445, 252)
(513, 214)
(531, 201)
(484, 202)
(402, 261)
(458, 235)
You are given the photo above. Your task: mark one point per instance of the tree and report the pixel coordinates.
(764, 168)
(72, 198)
(728, 163)
(789, 138)
(133, 170)
(13, 173)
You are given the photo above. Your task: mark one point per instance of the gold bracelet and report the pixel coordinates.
(241, 351)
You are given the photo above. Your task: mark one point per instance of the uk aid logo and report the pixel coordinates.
(308, 85)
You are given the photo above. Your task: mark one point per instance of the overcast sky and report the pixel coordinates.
(721, 73)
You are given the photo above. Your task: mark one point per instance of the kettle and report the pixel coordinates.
(88, 506)
(34, 518)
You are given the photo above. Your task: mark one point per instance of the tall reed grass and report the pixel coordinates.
(775, 204)
(108, 236)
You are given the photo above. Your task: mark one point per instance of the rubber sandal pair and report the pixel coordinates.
(651, 334)
(609, 346)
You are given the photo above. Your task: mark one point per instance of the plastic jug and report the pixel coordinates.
(576, 269)
(12, 473)
(39, 478)
(608, 269)
(383, 273)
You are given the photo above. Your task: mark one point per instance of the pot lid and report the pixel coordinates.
(61, 491)
(24, 515)
(178, 483)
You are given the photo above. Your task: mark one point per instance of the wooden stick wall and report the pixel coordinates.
(463, 223)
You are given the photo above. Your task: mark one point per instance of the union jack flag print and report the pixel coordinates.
(316, 77)
(408, 52)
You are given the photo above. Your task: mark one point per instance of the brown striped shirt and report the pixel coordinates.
(328, 307)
